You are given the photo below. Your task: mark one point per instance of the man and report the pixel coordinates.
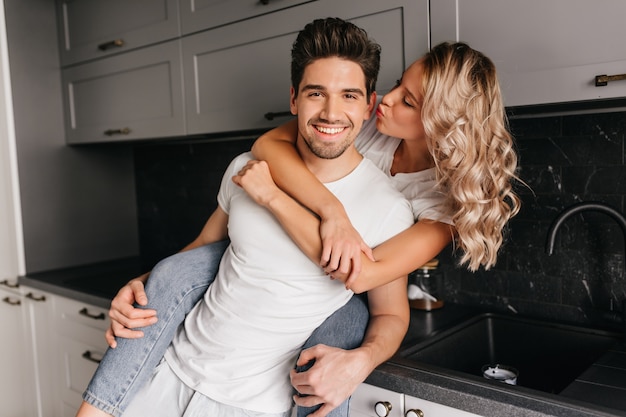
(239, 343)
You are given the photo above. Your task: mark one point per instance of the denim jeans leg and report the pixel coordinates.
(344, 329)
(174, 287)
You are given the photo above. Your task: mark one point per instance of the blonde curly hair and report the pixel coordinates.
(467, 130)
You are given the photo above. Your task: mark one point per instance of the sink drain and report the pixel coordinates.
(502, 373)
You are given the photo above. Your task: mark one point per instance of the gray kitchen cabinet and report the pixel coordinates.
(197, 15)
(98, 28)
(545, 52)
(236, 74)
(136, 95)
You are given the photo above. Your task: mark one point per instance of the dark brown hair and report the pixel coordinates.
(333, 37)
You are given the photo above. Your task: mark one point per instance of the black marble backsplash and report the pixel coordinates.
(563, 160)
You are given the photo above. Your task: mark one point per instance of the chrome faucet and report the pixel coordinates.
(588, 206)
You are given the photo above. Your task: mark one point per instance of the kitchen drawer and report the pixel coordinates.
(99, 28)
(81, 321)
(365, 398)
(79, 361)
(197, 15)
(136, 95)
(236, 75)
(431, 409)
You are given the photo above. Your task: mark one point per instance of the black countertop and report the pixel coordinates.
(604, 383)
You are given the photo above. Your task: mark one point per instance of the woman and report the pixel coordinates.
(455, 161)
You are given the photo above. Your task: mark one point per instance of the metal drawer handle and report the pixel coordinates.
(11, 301)
(90, 357)
(85, 312)
(271, 115)
(36, 298)
(111, 132)
(414, 413)
(117, 43)
(602, 80)
(6, 283)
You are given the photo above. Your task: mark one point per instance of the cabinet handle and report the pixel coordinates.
(271, 115)
(117, 43)
(11, 301)
(90, 357)
(382, 408)
(6, 283)
(602, 80)
(111, 132)
(414, 413)
(86, 313)
(36, 298)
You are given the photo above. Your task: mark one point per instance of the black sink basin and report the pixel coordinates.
(548, 356)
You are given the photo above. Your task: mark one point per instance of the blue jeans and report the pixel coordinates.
(175, 286)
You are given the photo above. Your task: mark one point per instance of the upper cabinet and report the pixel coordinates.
(544, 51)
(135, 95)
(98, 28)
(237, 76)
(197, 15)
(234, 73)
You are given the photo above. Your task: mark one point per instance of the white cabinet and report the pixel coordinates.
(16, 377)
(80, 330)
(365, 399)
(136, 95)
(98, 28)
(371, 401)
(41, 350)
(236, 74)
(431, 409)
(545, 51)
(197, 15)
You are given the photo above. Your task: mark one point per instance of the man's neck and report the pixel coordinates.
(329, 170)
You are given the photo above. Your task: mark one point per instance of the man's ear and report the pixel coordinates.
(292, 101)
(371, 106)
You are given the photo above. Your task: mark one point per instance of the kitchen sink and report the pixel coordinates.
(547, 356)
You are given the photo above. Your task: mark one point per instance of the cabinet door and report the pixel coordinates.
(16, 385)
(366, 397)
(237, 74)
(130, 96)
(432, 409)
(42, 342)
(80, 329)
(97, 28)
(545, 52)
(197, 15)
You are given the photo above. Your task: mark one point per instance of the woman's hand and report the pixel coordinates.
(256, 180)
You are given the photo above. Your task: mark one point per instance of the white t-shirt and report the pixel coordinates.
(427, 200)
(240, 342)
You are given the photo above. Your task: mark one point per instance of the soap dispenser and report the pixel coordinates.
(426, 287)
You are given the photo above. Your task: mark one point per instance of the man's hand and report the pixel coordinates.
(342, 247)
(125, 317)
(332, 379)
